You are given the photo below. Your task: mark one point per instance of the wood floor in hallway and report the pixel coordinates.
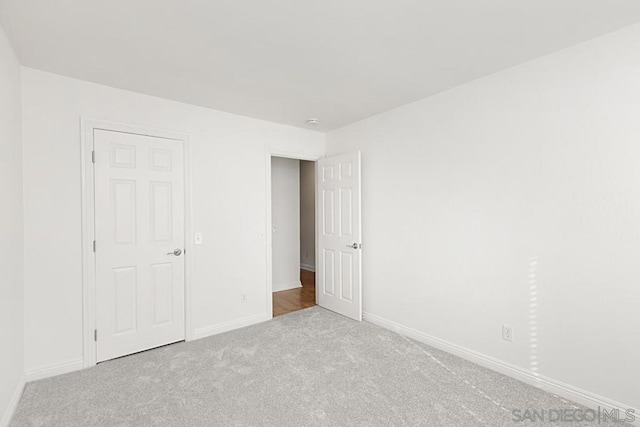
(296, 299)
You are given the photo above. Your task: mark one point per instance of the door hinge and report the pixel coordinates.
(95, 335)
(93, 157)
(94, 246)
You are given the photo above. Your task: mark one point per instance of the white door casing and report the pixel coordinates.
(139, 223)
(339, 254)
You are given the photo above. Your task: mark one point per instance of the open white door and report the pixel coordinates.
(139, 229)
(339, 255)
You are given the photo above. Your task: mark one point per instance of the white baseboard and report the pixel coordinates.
(56, 369)
(229, 326)
(567, 391)
(285, 287)
(308, 267)
(13, 403)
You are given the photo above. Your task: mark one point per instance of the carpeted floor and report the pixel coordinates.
(308, 368)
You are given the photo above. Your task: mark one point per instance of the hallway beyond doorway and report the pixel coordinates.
(296, 299)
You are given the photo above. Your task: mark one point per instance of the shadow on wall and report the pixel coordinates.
(308, 215)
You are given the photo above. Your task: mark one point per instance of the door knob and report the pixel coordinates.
(176, 252)
(354, 246)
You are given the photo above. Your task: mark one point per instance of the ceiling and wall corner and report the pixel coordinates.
(288, 61)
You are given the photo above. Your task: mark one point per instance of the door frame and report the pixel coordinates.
(88, 126)
(268, 228)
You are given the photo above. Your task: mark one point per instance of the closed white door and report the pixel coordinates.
(339, 270)
(139, 248)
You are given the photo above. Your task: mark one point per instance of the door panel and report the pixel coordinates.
(125, 283)
(139, 205)
(162, 285)
(340, 270)
(123, 197)
(327, 269)
(161, 211)
(328, 212)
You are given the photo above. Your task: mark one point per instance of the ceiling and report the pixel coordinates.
(290, 60)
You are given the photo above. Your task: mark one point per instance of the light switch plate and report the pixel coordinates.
(198, 238)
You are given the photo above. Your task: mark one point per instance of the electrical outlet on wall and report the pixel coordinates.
(507, 333)
(243, 298)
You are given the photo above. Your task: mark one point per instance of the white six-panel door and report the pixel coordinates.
(339, 273)
(139, 232)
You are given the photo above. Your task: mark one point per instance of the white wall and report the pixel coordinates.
(308, 215)
(285, 208)
(515, 199)
(229, 155)
(11, 247)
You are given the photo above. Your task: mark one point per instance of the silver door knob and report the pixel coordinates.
(354, 246)
(176, 252)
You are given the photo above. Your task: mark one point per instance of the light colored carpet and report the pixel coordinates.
(308, 368)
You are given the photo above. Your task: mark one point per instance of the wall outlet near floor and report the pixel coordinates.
(243, 298)
(507, 333)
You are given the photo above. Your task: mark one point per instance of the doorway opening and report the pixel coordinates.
(293, 231)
